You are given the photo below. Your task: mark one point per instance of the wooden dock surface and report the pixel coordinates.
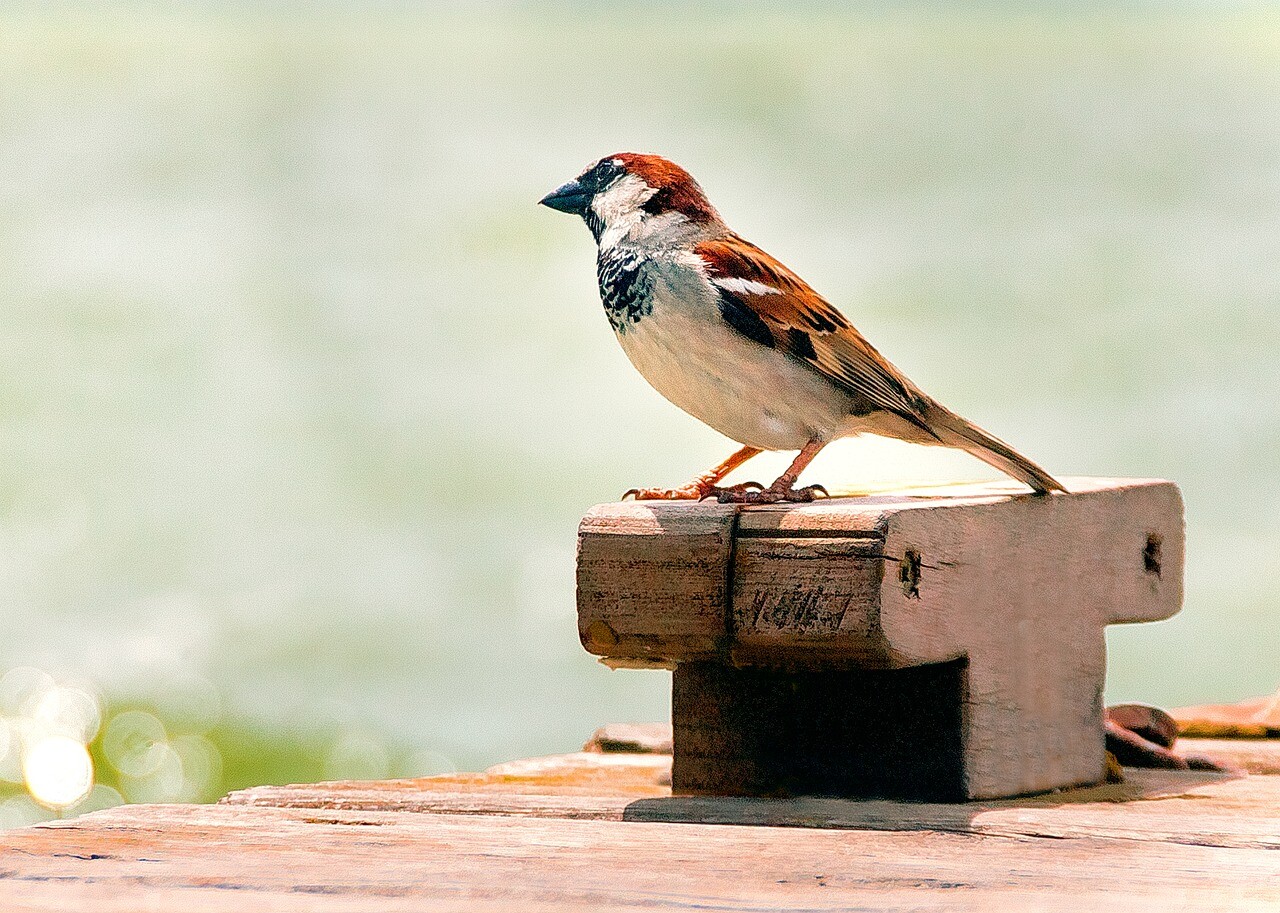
(598, 831)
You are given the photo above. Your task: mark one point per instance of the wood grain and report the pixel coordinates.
(1024, 587)
(1191, 807)
(1164, 841)
(222, 859)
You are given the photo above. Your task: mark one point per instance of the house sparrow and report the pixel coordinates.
(737, 340)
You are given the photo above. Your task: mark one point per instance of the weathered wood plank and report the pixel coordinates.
(578, 785)
(565, 833)
(223, 858)
(1024, 588)
(1253, 755)
(1194, 807)
(1159, 806)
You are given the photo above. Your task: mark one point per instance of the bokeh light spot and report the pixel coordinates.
(21, 686)
(20, 811)
(163, 781)
(58, 771)
(135, 743)
(201, 767)
(72, 712)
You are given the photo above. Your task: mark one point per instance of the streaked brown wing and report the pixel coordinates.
(767, 302)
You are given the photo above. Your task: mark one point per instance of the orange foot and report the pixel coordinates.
(777, 492)
(695, 491)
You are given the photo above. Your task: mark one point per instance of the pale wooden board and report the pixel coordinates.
(225, 858)
(1158, 806)
(1175, 806)
(1024, 588)
(548, 834)
(579, 785)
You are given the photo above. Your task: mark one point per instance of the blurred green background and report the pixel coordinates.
(301, 396)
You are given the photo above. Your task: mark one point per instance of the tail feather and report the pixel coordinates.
(955, 431)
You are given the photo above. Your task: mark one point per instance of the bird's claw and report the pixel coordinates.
(742, 493)
(774, 494)
(694, 491)
(728, 494)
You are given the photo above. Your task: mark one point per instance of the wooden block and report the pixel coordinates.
(1018, 587)
(653, 585)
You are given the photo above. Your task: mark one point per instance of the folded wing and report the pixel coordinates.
(767, 302)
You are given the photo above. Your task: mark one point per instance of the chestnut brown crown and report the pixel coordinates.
(677, 191)
(674, 189)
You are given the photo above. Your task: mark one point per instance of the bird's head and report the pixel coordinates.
(636, 195)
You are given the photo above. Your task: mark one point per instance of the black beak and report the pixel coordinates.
(572, 198)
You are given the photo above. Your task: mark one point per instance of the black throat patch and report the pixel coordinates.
(626, 290)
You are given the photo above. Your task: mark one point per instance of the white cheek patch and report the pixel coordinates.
(622, 199)
(746, 286)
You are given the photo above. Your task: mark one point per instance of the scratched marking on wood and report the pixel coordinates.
(843, 573)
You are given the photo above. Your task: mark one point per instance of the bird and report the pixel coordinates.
(739, 341)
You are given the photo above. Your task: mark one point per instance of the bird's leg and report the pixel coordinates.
(783, 488)
(704, 486)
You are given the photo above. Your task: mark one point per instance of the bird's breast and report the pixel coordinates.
(670, 327)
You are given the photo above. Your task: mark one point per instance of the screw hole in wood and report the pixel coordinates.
(909, 574)
(1151, 558)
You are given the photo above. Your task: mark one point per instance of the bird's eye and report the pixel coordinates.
(604, 174)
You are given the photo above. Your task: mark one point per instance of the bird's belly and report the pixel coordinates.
(748, 392)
